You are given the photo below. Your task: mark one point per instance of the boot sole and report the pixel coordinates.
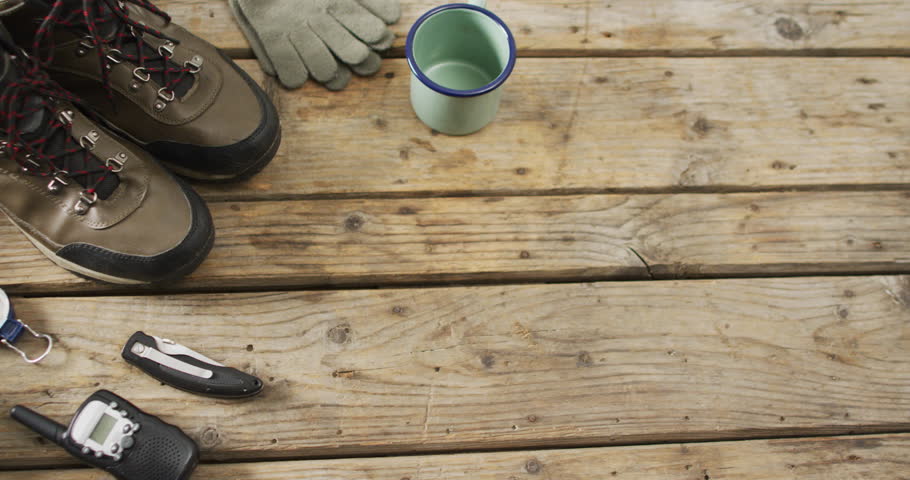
(81, 271)
(252, 170)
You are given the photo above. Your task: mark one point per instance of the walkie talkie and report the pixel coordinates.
(112, 434)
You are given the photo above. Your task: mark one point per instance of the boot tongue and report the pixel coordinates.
(31, 123)
(34, 125)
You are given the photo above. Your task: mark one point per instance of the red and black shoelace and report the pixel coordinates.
(47, 149)
(116, 37)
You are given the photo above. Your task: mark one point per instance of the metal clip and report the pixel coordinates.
(11, 328)
(165, 352)
(47, 351)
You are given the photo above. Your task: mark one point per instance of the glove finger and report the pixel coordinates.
(253, 38)
(388, 10)
(341, 80)
(345, 46)
(385, 42)
(317, 57)
(369, 66)
(292, 72)
(358, 20)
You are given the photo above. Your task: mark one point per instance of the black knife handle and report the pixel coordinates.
(226, 382)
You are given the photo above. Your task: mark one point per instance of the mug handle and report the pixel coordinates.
(479, 3)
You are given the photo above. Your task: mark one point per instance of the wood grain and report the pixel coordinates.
(604, 125)
(422, 370)
(839, 458)
(566, 238)
(642, 27)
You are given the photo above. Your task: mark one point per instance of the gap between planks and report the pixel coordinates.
(857, 437)
(247, 54)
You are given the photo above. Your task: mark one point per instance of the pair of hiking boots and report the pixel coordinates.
(92, 92)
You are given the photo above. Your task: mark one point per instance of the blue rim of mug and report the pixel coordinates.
(412, 62)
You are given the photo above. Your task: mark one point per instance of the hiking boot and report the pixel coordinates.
(171, 92)
(90, 201)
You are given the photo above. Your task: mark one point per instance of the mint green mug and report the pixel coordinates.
(460, 56)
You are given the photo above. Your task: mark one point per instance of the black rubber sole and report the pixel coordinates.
(252, 170)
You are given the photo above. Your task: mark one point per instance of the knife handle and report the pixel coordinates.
(188, 373)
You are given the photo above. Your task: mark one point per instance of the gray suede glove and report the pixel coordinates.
(297, 39)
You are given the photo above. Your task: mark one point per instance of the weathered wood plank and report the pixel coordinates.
(838, 458)
(420, 370)
(636, 27)
(604, 125)
(443, 240)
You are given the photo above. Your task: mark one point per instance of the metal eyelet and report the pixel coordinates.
(194, 64)
(30, 160)
(116, 164)
(167, 50)
(59, 181)
(141, 74)
(165, 96)
(85, 203)
(84, 46)
(114, 56)
(91, 138)
(65, 117)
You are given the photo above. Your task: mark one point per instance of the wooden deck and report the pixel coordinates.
(681, 252)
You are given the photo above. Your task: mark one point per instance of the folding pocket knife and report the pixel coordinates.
(185, 369)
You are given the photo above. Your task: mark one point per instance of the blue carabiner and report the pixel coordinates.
(11, 329)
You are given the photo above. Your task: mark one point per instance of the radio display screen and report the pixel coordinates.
(104, 427)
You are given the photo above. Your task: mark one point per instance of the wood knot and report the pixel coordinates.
(488, 360)
(702, 127)
(789, 29)
(210, 437)
(584, 360)
(353, 222)
(340, 333)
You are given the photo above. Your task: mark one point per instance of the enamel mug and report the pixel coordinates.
(460, 56)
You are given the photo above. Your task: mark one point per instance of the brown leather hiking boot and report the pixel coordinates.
(169, 91)
(90, 201)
